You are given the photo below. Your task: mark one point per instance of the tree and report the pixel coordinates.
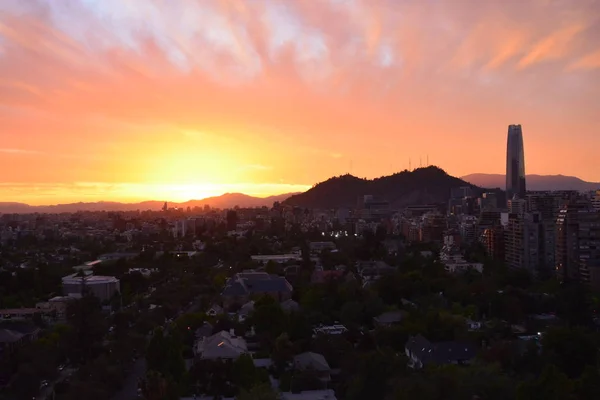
(352, 314)
(187, 324)
(571, 350)
(588, 386)
(298, 327)
(245, 375)
(260, 392)
(43, 355)
(26, 382)
(89, 326)
(451, 382)
(283, 351)
(551, 385)
(574, 304)
(175, 367)
(305, 380)
(333, 347)
(156, 355)
(154, 386)
(81, 389)
(366, 375)
(268, 318)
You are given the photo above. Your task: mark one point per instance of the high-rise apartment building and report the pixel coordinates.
(517, 206)
(596, 200)
(521, 242)
(578, 243)
(488, 202)
(589, 247)
(492, 239)
(515, 163)
(548, 204)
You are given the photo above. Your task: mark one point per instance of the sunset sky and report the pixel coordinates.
(132, 100)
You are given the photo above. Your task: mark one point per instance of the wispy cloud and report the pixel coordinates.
(19, 151)
(589, 61)
(554, 46)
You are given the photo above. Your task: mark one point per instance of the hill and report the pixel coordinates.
(228, 200)
(535, 182)
(421, 186)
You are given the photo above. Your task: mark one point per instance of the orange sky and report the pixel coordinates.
(150, 99)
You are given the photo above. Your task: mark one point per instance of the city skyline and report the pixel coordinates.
(106, 100)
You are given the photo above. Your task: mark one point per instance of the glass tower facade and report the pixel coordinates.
(515, 163)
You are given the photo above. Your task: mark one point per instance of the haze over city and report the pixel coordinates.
(140, 100)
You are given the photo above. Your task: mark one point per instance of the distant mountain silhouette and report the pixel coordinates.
(228, 200)
(534, 182)
(421, 186)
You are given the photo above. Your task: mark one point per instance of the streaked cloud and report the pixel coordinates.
(18, 151)
(554, 46)
(590, 61)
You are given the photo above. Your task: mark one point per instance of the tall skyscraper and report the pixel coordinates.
(515, 163)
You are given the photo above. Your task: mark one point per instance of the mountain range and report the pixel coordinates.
(534, 182)
(421, 186)
(228, 200)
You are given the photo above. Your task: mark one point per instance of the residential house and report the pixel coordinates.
(336, 329)
(215, 310)
(18, 314)
(242, 287)
(315, 362)
(221, 346)
(56, 306)
(14, 334)
(323, 276)
(371, 271)
(454, 262)
(474, 326)
(388, 319)
(422, 352)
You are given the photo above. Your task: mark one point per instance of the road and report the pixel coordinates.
(46, 393)
(129, 390)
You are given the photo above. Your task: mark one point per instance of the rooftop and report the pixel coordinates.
(441, 352)
(19, 311)
(89, 280)
(247, 283)
(222, 345)
(311, 360)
